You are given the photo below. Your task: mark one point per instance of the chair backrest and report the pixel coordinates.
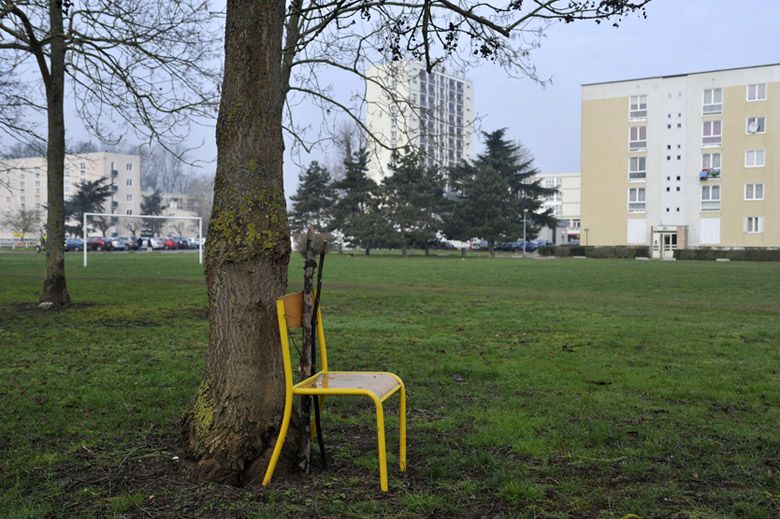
(289, 312)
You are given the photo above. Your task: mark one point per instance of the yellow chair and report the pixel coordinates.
(377, 386)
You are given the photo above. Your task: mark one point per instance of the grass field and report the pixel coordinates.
(555, 388)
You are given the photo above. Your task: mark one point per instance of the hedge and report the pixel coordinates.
(594, 252)
(748, 254)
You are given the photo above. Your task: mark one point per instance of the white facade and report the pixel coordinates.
(26, 181)
(565, 205)
(407, 106)
(180, 204)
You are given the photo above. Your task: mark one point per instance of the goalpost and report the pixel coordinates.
(197, 218)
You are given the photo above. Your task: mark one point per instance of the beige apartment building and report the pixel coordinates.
(23, 184)
(683, 161)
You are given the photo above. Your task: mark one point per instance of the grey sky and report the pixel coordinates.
(678, 36)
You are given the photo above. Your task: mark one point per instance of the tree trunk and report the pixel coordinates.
(232, 424)
(492, 248)
(54, 289)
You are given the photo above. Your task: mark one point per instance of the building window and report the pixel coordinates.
(755, 125)
(710, 161)
(636, 200)
(754, 159)
(713, 101)
(82, 166)
(756, 92)
(637, 107)
(754, 191)
(129, 182)
(637, 138)
(711, 133)
(575, 223)
(754, 224)
(637, 169)
(129, 198)
(710, 198)
(129, 211)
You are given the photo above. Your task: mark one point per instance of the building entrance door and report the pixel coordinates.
(669, 245)
(664, 244)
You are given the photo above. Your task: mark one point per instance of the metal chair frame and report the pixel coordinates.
(376, 385)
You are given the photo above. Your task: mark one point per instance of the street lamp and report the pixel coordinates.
(586, 235)
(525, 222)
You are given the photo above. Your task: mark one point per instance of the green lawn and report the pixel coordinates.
(538, 388)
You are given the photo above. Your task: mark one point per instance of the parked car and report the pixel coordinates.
(97, 243)
(168, 243)
(122, 243)
(192, 243)
(542, 243)
(181, 243)
(152, 242)
(74, 244)
(441, 244)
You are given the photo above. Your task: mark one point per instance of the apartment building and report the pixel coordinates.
(565, 206)
(434, 113)
(23, 184)
(683, 161)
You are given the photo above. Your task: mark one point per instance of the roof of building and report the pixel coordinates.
(680, 75)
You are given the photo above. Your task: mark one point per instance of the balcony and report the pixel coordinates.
(709, 173)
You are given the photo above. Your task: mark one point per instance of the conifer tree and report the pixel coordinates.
(413, 197)
(313, 201)
(492, 193)
(89, 198)
(356, 212)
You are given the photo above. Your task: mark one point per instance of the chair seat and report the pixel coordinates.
(380, 384)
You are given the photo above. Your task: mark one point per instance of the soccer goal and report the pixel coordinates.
(197, 219)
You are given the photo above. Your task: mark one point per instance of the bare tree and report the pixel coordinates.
(201, 189)
(145, 63)
(274, 51)
(23, 221)
(163, 168)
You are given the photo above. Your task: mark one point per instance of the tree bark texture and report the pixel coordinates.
(232, 423)
(54, 287)
(304, 368)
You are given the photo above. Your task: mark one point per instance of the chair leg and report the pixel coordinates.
(402, 450)
(269, 472)
(380, 433)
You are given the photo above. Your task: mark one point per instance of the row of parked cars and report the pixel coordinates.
(517, 245)
(98, 243)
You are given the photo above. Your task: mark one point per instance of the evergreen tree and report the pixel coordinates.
(356, 212)
(413, 200)
(88, 199)
(313, 201)
(492, 193)
(151, 205)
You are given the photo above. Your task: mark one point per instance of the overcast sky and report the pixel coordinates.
(678, 36)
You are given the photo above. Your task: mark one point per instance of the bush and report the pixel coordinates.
(619, 252)
(749, 254)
